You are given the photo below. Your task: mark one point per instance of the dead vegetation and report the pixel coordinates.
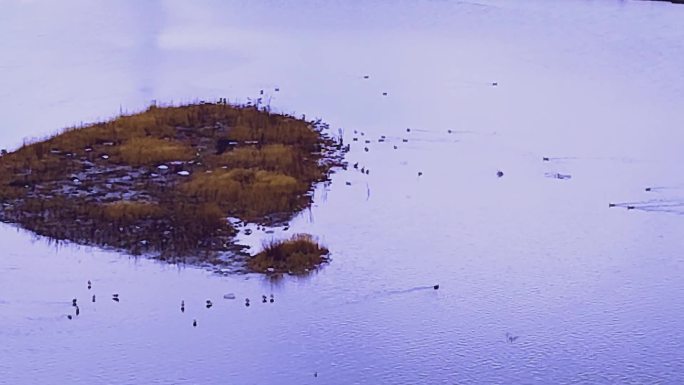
(296, 255)
(148, 151)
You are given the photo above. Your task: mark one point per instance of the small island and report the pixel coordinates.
(164, 183)
(297, 255)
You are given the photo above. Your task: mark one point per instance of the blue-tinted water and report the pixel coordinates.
(593, 293)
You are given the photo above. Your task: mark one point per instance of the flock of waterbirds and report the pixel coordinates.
(208, 303)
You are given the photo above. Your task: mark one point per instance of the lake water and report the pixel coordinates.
(594, 294)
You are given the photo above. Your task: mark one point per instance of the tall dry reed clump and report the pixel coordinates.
(298, 255)
(249, 193)
(149, 151)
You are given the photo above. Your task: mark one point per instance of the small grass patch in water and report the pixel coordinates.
(299, 254)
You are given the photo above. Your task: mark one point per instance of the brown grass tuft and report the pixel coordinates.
(152, 151)
(246, 192)
(298, 254)
(126, 211)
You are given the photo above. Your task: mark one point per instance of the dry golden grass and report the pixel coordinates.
(298, 254)
(247, 192)
(269, 157)
(296, 133)
(151, 151)
(279, 158)
(126, 211)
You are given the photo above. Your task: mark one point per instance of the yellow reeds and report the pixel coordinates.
(298, 255)
(249, 192)
(152, 151)
(126, 211)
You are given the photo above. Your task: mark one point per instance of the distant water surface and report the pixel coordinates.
(593, 293)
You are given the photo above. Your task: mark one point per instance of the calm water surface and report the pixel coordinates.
(594, 294)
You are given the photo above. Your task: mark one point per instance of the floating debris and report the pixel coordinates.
(511, 338)
(557, 175)
(229, 296)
